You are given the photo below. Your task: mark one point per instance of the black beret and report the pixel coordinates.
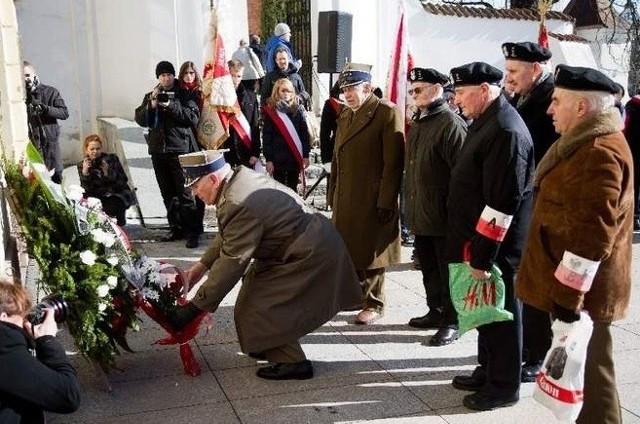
(165, 67)
(475, 73)
(526, 52)
(429, 75)
(583, 79)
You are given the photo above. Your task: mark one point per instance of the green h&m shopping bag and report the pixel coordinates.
(478, 302)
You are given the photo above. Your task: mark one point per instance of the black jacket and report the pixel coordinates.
(238, 153)
(495, 169)
(292, 74)
(328, 126)
(275, 147)
(29, 386)
(44, 122)
(170, 128)
(533, 111)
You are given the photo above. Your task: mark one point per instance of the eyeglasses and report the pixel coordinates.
(418, 90)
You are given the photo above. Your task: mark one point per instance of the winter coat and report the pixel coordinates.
(494, 170)
(292, 75)
(366, 171)
(115, 183)
(252, 66)
(583, 205)
(275, 147)
(273, 44)
(171, 128)
(238, 153)
(433, 146)
(632, 133)
(533, 111)
(328, 125)
(301, 275)
(30, 386)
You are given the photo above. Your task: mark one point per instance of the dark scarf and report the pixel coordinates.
(601, 124)
(189, 85)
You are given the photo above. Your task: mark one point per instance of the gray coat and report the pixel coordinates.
(301, 275)
(433, 146)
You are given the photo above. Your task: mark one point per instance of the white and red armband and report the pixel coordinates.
(493, 224)
(576, 272)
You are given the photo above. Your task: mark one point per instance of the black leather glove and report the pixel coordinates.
(39, 107)
(564, 314)
(384, 215)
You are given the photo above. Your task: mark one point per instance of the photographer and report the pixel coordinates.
(102, 177)
(44, 108)
(30, 385)
(170, 112)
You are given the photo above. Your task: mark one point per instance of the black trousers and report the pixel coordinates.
(500, 347)
(288, 178)
(435, 277)
(185, 213)
(536, 334)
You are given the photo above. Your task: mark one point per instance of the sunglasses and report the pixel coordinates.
(418, 90)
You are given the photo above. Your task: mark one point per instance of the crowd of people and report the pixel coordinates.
(528, 170)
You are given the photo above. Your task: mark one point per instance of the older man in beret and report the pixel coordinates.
(366, 171)
(433, 146)
(578, 255)
(528, 73)
(490, 197)
(301, 274)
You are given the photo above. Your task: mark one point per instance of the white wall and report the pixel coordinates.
(101, 55)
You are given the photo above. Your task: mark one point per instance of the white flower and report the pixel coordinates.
(149, 293)
(94, 203)
(112, 260)
(75, 192)
(103, 237)
(112, 281)
(103, 290)
(102, 307)
(88, 257)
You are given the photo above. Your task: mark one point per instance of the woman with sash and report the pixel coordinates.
(285, 136)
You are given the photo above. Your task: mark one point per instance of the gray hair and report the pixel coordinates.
(597, 101)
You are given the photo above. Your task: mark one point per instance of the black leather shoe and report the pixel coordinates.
(529, 372)
(181, 316)
(192, 242)
(470, 383)
(302, 370)
(480, 402)
(426, 321)
(172, 235)
(260, 356)
(444, 336)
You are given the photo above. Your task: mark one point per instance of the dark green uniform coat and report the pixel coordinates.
(366, 172)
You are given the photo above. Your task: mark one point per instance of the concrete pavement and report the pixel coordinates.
(383, 373)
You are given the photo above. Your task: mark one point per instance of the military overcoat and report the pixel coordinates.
(366, 172)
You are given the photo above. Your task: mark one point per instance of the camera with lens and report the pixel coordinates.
(56, 303)
(164, 97)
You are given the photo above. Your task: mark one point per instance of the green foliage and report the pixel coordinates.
(273, 11)
(54, 240)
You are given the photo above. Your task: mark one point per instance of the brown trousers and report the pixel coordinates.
(372, 282)
(286, 354)
(601, 402)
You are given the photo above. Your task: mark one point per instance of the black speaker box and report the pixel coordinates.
(334, 40)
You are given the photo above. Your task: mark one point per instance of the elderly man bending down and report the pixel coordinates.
(301, 275)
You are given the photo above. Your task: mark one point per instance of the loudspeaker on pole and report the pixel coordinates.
(334, 40)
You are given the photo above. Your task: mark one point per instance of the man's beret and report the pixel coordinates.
(583, 79)
(428, 75)
(526, 52)
(475, 73)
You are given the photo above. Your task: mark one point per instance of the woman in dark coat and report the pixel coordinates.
(102, 177)
(31, 385)
(285, 135)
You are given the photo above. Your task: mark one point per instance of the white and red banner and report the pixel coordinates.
(401, 63)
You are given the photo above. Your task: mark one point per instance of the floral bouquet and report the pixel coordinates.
(161, 289)
(77, 249)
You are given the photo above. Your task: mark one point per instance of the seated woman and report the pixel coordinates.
(102, 177)
(31, 385)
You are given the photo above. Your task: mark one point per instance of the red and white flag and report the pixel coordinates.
(401, 63)
(221, 109)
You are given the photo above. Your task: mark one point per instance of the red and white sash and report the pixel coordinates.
(288, 131)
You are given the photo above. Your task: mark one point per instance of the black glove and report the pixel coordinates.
(564, 314)
(39, 107)
(384, 215)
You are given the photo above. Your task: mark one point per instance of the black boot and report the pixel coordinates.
(183, 315)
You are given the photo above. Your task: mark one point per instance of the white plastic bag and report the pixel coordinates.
(561, 380)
